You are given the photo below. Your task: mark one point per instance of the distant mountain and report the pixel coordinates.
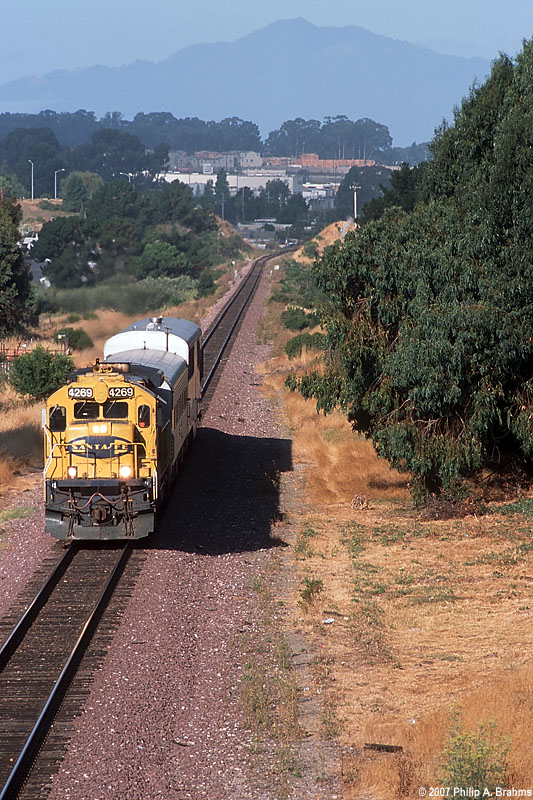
(288, 69)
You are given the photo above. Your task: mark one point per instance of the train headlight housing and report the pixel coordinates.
(72, 472)
(125, 472)
(99, 428)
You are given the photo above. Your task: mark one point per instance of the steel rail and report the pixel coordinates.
(24, 762)
(226, 308)
(37, 604)
(228, 337)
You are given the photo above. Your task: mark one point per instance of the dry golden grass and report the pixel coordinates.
(35, 217)
(326, 237)
(341, 466)
(429, 616)
(21, 442)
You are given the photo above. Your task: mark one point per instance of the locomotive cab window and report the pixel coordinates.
(87, 409)
(115, 409)
(143, 416)
(111, 409)
(58, 419)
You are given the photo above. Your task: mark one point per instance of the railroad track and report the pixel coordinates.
(40, 656)
(221, 335)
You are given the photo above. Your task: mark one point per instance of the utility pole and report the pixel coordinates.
(55, 181)
(355, 188)
(31, 162)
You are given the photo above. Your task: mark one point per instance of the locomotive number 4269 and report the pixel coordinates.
(120, 391)
(80, 391)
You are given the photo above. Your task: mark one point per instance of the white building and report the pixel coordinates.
(256, 181)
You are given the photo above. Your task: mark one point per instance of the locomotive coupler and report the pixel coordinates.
(100, 514)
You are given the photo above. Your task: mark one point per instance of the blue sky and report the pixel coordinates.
(38, 36)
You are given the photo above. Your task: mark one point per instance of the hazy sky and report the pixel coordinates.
(39, 36)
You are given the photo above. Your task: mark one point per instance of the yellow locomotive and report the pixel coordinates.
(116, 433)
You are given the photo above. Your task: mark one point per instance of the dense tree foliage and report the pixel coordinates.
(153, 129)
(121, 230)
(14, 276)
(38, 145)
(77, 188)
(109, 153)
(10, 186)
(40, 373)
(404, 190)
(430, 350)
(70, 129)
(338, 137)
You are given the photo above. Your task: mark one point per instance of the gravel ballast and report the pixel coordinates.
(164, 715)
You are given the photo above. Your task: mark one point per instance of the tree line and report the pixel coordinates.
(108, 146)
(429, 349)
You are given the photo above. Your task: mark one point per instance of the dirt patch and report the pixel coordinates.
(34, 217)
(322, 240)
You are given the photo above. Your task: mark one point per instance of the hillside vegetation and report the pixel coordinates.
(416, 622)
(429, 346)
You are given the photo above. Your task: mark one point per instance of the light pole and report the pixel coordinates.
(31, 162)
(355, 187)
(127, 174)
(55, 181)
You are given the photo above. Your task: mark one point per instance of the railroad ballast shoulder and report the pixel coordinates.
(116, 432)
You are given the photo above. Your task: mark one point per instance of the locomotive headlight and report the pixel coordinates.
(72, 472)
(125, 472)
(100, 428)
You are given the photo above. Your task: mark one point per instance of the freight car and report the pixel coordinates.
(116, 433)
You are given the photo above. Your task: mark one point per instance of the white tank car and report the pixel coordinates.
(171, 334)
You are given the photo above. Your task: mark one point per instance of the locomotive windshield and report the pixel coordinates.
(111, 409)
(87, 409)
(115, 409)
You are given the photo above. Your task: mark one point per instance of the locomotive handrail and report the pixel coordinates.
(90, 460)
(51, 456)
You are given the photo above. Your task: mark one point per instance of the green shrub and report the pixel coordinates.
(311, 588)
(311, 249)
(77, 338)
(46, 205)
(298, 285)
(206, 283)
(296, 319)
(475, 760)
(39, 373)
(131, 297)
(311, 341)
(74, 317)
